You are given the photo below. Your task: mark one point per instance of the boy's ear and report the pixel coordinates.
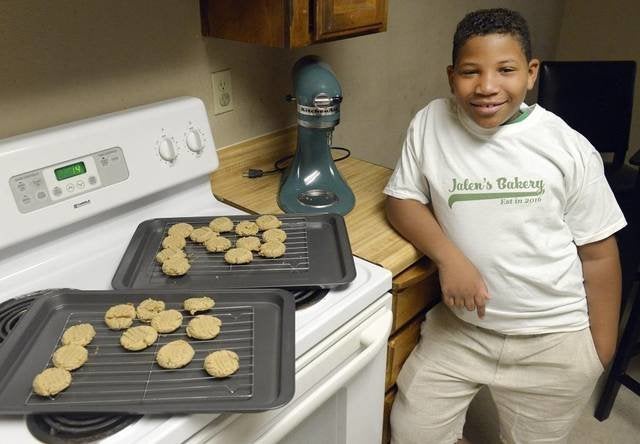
(534, 65)
(450, 77)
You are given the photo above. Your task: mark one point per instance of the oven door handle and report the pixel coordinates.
(372, 339)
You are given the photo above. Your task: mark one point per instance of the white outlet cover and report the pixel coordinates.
(222, 91)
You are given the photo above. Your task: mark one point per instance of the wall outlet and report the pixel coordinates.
(222, 93)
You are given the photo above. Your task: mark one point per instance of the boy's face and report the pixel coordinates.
(491, 78)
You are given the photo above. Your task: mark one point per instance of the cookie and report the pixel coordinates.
(167, 321)
(175, 354)
(202, 234)
(168, 253)
(246, 228)
(222, 363)
(147, 309)
(194, 305)
(175, 242)
(138, 338)
(203, 327)
(217, 244)
(238, 256)
(176, 266)
(274, 234)
(268, 221)
(272, 249)
(181, 229)
(70, 357)
(251, 243)
(221, 224)
(51, 381)
(120, 316)
(81, 334)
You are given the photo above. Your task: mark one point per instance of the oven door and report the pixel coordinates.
(339, 391)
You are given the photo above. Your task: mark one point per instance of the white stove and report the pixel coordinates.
(73, 195)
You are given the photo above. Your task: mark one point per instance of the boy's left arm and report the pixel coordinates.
(603, 285)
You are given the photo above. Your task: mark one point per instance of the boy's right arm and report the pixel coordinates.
(460, 281)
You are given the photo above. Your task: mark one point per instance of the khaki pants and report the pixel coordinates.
(540, 383)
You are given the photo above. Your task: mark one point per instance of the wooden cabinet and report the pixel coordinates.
(415, 291)
(291, 23)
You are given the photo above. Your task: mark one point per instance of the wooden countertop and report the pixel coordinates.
(371, 236)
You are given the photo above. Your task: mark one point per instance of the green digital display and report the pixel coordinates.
(75, 169)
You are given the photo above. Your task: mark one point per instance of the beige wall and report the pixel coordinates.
(67, 60)
(597, 30)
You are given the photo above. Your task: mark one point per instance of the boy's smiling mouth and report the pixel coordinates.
(487, 108)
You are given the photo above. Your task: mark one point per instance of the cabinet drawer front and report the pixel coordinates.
(399, 348)
(410, 301)
(335, 18)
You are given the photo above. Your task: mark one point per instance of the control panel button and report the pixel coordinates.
(41, 195)
(70, 187)
(167, 150)
(92, 180)
(57, 191)
(36, 182)
(26, 199)
(22, 186)
(194, 141)
(80, 184)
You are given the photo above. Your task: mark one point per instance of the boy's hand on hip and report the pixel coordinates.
(462, 285)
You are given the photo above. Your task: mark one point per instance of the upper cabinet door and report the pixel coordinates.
(340, 18)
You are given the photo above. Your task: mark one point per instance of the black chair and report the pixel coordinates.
(596, 99)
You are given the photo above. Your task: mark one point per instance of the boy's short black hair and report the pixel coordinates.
(492, 21)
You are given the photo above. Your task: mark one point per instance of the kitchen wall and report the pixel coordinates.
(71, 59)
(595, 30)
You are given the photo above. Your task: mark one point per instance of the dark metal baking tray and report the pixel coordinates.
(318, 255)
(257, 324)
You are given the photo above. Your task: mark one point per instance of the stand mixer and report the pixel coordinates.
(311, 182)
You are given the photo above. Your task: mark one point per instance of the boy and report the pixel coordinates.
(513, 207)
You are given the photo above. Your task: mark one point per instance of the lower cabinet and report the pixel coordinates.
(415, 291)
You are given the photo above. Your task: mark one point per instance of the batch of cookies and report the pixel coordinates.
(175, 354)
(270, 244)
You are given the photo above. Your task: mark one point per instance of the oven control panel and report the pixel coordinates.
(36, 189)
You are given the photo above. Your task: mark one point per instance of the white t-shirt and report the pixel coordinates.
(516, 200)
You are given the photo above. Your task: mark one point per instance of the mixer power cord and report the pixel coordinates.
(280, 165)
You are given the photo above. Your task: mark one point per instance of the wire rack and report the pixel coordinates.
(204, 263)
(114, 375)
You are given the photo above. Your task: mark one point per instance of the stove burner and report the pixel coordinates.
(10, 313)
(77, 428)
(305, 297)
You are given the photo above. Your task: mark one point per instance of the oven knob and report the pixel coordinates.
(167, 150)
(194, 141)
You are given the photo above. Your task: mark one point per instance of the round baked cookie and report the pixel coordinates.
(217, 244)
(138, 338)
(268, 221)
(175, 242)
(194, 305)
(147, 309)
(272, 249)
(167, 321)
(202, 234)
(120, 316)
(175, 354)
(222, 363)
(274, 234)
(168, 253)
(203, 327)
(70, 357)
(51, 381)
(181, 229)
(176, 266)
(81, 334)
(247, 228)
(251, 243)
(238, 256)
(221, 224)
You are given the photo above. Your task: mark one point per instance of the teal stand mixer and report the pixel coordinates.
(311, 182)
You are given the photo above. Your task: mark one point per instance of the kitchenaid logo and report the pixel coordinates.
(313, 111)
(82, 204)
(510, 190)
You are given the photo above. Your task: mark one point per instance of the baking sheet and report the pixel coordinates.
(318, 255)
(257, 324)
